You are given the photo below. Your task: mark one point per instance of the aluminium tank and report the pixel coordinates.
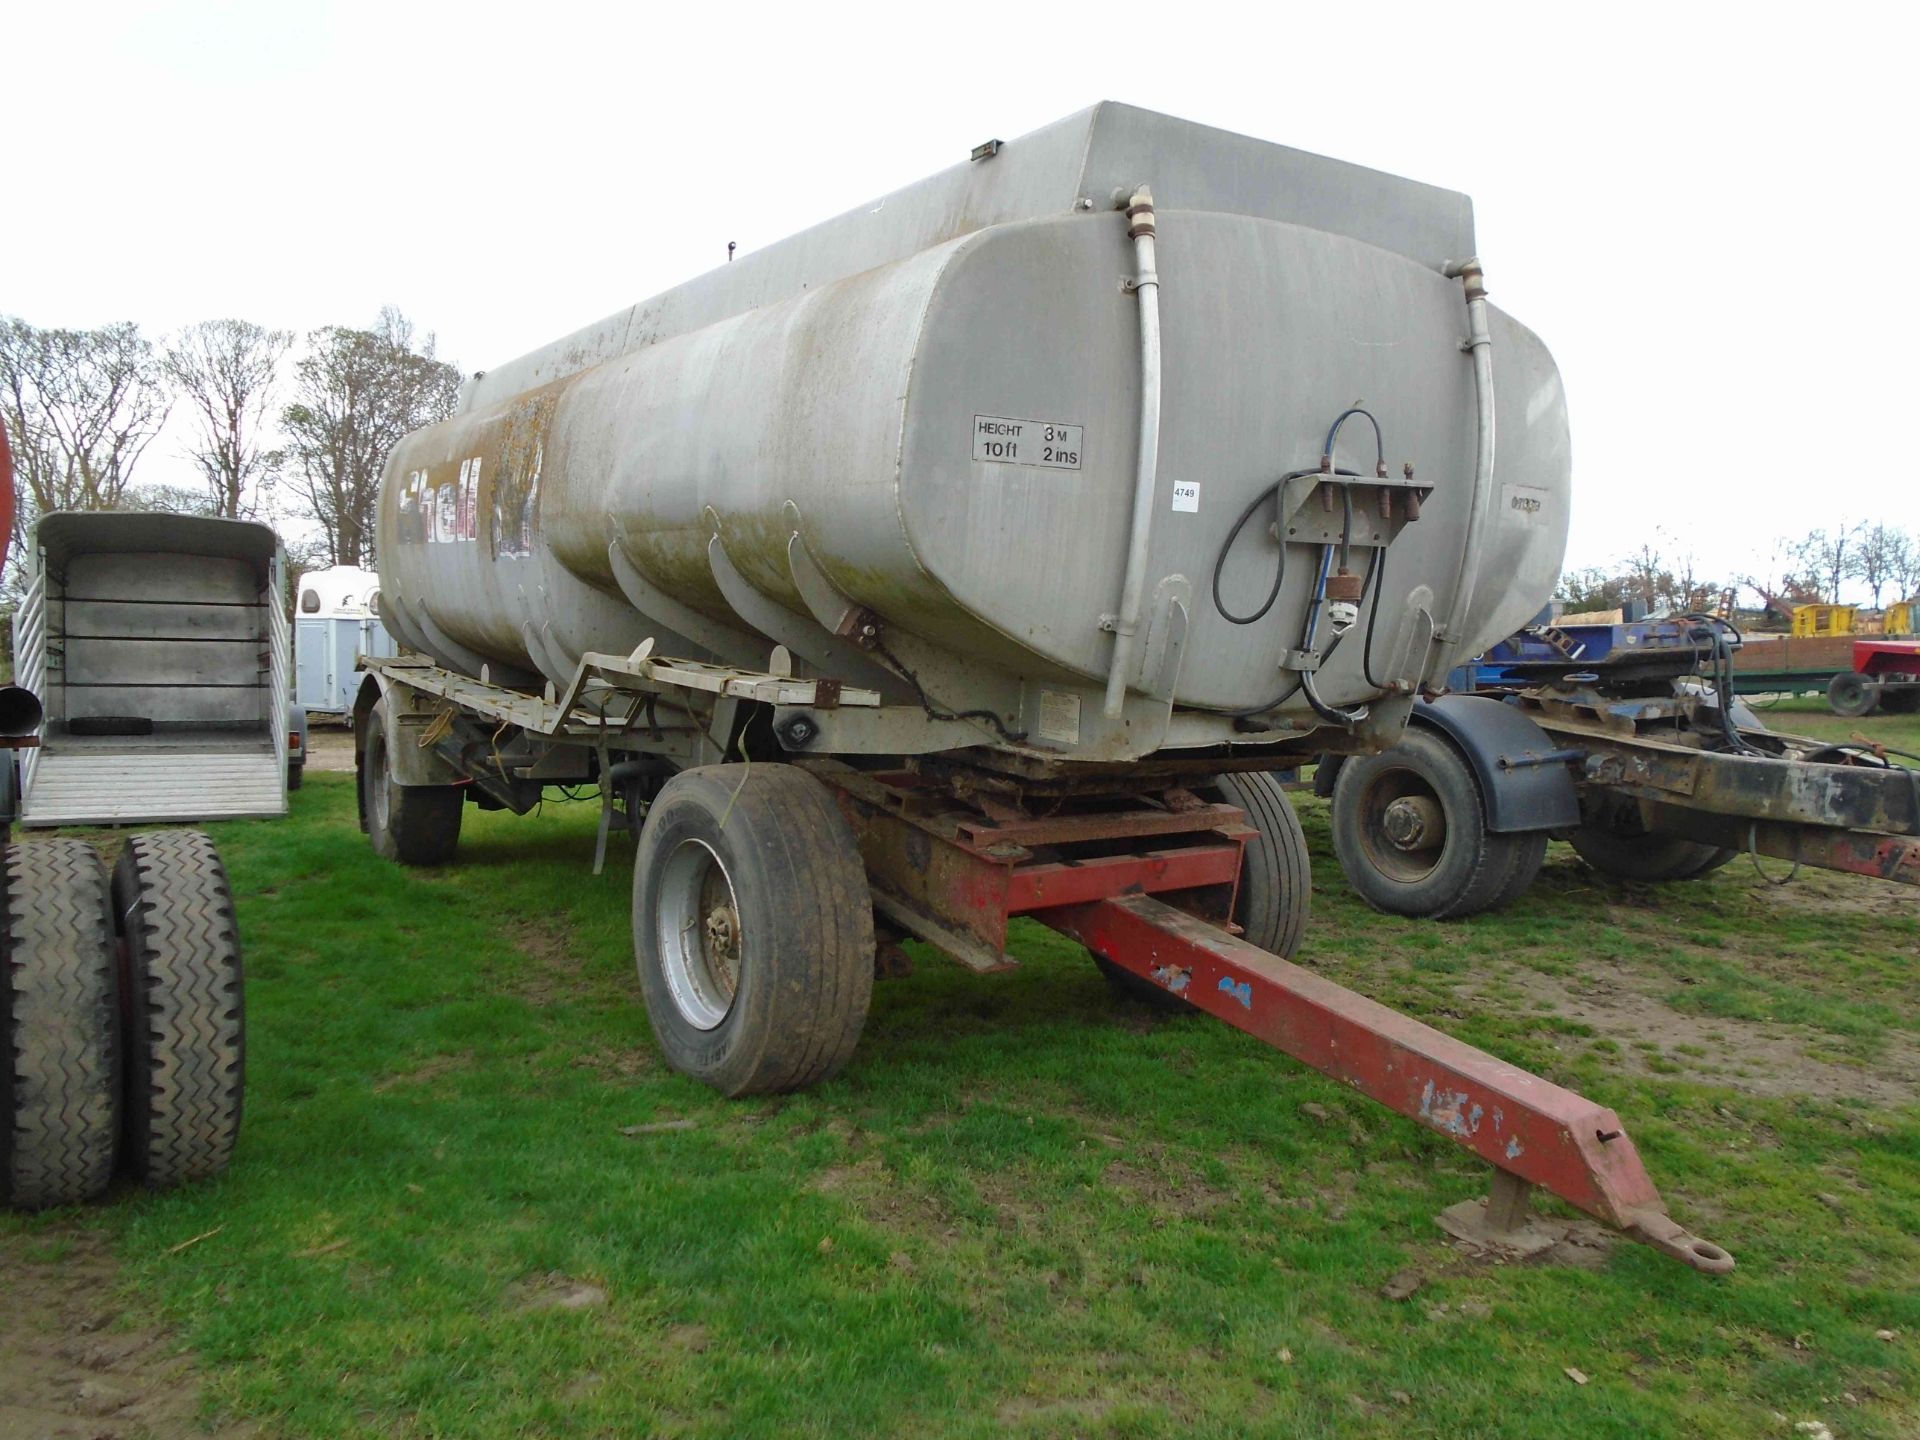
(940, 394)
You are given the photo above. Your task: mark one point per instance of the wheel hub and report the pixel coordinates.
(1413, 822)
(699, 934)
(723, 946)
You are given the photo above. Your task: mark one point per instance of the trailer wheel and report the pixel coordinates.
(1276, 881)
(1410, 831)
(411, 824)
(187, 1024)
(752, 927)
(1625, 851)
(296, 772)
(1529, 854)
(60, 1019)
(1852, 694)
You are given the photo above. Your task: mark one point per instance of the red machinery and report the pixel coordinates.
(1885, 675)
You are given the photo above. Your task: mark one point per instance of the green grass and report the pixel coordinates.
(1806, 715)
(1025, 1208)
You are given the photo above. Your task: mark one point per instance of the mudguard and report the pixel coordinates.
(410, 712)
(1523, 775)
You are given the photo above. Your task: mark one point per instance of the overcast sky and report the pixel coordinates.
(1707, 214)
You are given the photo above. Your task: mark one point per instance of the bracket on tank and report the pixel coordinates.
(678, 620)
(1383, 506)
(802, 636)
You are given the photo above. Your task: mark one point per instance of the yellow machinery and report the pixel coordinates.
(1823, 620)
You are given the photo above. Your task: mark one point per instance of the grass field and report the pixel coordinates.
(470, 1201)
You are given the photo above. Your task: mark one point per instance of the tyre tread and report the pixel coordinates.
(186, 1046)
(1281, 921)
(59, 1015)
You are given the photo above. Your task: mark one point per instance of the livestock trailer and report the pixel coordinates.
(158, 645)
(122, 1005)
(336, 620)
(931, 567)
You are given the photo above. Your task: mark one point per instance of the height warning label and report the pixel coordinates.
(1045, 443)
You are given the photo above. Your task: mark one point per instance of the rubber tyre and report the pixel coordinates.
(1852, 694)
(60, 1019)
(1276, 881)
(801, 912)
(295, 773)
(1650, 858)
(409, 824)
(1466, 870)
(186, 1056)
(1529, 853)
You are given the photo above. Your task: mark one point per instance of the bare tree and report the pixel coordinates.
(1640, 576)
(1831, 558)
(1903, 565)
(168, 499)
(1877, 552)
(82, 406)
(226, 369)
(357, 393)
(1593, 589)
(1669, 587)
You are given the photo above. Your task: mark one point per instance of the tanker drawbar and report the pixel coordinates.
(1132, 439)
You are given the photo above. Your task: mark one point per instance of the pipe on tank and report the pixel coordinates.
(1146, 285)
(1479, 344)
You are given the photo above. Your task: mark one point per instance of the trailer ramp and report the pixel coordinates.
(96, 785)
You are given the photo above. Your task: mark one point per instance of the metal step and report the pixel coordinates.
(97, 789)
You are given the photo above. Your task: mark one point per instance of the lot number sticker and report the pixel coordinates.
(1186, 496)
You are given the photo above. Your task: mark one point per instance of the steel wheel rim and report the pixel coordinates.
(697, 926)
(1405, 864)
(381, 801)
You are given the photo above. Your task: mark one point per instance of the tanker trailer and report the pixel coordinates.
(981, 552)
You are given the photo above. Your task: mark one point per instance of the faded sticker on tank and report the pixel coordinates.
(515, 504)
(1048, 444)
(1186, 496)
(516, 482)
(1059, 717)
(414, 501)
(1525, 503)
(442, 514)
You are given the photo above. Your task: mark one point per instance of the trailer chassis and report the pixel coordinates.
(1634, 765)
(1806, 801)
(1145, 875)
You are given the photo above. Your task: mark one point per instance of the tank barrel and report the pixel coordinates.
(973, 454)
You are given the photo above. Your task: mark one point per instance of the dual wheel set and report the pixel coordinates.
(122, 1015)
(1410, 831)
(753, 919)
